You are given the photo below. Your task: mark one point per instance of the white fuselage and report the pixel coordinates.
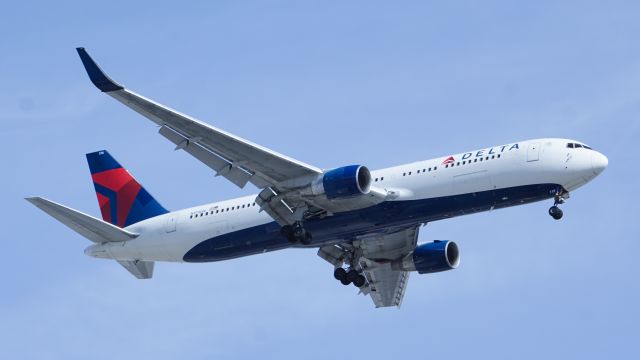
(513, 166)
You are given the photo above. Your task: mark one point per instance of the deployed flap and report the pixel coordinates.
(262, 166)
(93, 229)
(373, 256)
(138, 268)
(386, 286)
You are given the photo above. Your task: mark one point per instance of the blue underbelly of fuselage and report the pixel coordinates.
(386, 217)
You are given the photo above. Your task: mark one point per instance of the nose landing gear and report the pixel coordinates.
(559, 197)
(555, 212)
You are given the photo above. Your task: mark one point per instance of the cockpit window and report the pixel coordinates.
(578, 146)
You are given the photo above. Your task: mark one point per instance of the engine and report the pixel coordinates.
(440, 255)
(343, 182)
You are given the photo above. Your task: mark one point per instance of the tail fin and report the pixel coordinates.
(123, 201)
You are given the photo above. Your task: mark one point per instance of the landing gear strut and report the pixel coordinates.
(296, 233)
(559, 198)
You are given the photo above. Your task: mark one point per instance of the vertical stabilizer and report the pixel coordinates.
(123, 201)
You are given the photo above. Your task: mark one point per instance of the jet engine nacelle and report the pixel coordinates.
(343, 182)
(440, 255)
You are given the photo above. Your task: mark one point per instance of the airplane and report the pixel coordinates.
(364, 223)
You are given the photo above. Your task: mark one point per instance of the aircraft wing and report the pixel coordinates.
(373, 255)
(232, 157)
(385, 285)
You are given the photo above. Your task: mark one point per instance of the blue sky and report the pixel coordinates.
(329, 83)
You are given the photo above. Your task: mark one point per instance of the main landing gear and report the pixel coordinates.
(559, 197)
(296, 233)
(349, 277)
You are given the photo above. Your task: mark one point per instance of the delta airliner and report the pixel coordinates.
(363, 222)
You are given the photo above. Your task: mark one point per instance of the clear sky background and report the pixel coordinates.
(329, 83)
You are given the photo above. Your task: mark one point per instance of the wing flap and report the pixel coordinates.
(255, 158)
(88, 226)
(386, 286)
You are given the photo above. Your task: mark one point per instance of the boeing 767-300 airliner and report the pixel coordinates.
(363, 222)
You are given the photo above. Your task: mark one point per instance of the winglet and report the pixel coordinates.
(97, 76)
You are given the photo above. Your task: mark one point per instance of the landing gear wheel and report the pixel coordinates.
(555, 212)
(299, 233)
(307, 238)
(352, 275)
(360, 281)
(287, 232)
(345, 282)
(340, 274)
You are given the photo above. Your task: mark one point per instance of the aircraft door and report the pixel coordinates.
(170, 225)
(533, 152)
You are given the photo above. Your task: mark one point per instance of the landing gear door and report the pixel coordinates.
(533, 153)
(170, 225)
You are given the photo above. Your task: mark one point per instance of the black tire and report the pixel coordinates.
(555, 212)
(360, 281)
(345, 282)
(352, 275)
(286, 231)
(340, 273)
(307, 238)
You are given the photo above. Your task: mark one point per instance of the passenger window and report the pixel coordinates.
(458, 163)
(435, 168)
(429, 169)
(382, 178)
(493, 156)
(498, 156)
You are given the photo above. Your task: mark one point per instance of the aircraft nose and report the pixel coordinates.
(599, 162)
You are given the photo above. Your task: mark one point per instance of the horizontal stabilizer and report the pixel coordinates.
(139, 269)
(88, 226)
